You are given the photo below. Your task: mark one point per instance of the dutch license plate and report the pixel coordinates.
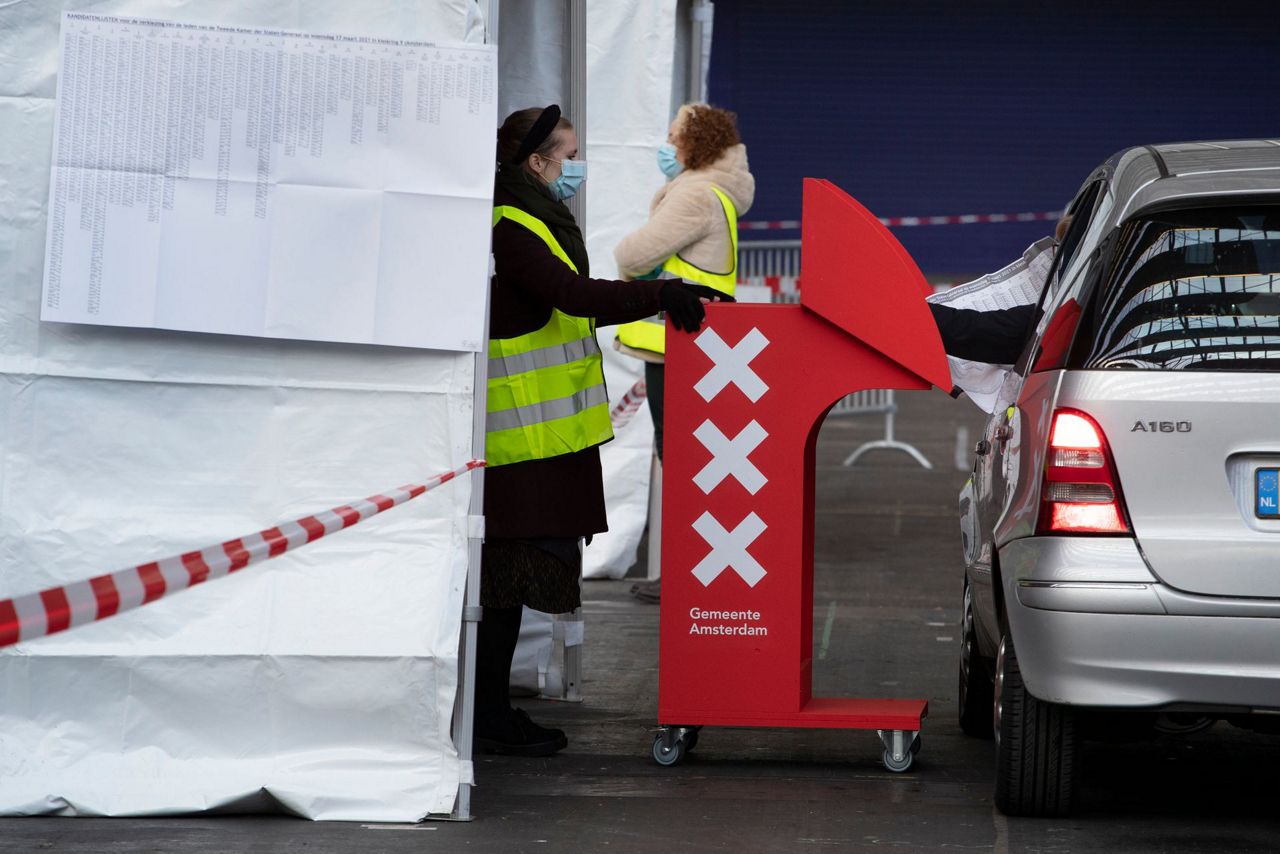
(1266, 503)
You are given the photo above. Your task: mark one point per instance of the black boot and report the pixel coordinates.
(518, 735)
(498, 727)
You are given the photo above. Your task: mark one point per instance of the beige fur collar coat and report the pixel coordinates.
(686, 218)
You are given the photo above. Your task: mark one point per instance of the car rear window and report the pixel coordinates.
(1190, 290)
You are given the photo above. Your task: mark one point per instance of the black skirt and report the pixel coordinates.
(544, 575)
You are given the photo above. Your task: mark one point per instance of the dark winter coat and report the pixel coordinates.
(562, 496)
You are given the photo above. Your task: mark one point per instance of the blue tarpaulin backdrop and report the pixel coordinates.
(926, 108)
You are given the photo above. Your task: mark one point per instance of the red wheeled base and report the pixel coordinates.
(897, 722)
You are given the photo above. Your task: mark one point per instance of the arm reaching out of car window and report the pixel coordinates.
(996, 337)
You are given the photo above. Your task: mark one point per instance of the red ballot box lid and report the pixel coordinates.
(857, 275)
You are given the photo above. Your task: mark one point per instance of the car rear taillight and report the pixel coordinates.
(1080, 493)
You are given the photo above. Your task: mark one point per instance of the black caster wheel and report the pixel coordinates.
(898, 766)
(673, 755)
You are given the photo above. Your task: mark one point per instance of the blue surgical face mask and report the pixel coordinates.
(572, 174)
(667, 160)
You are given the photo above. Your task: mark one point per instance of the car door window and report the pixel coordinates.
(1082, 211)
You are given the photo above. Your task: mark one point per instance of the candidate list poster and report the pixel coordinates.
(267, 183)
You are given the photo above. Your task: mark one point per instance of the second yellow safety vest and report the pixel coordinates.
(650, 334)
(546, 388)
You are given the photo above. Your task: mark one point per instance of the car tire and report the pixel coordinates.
(1036, 755)
(975, 693)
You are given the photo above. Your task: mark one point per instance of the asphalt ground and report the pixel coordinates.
(886, 612)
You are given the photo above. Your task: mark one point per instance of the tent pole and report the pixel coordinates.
(465, 701)
(700, 19)
(575, 96)
(575, 89)
(491, 21)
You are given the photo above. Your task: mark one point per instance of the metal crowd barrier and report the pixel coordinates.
(775, 264)
(877, 402)
(764, 258)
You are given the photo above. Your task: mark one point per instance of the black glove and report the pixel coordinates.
(683, 303)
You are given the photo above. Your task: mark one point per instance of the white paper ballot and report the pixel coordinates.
(268, 183)
(1020, 283)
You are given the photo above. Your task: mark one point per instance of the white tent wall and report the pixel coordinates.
(630, 56)
(324, 680)
(532, 49)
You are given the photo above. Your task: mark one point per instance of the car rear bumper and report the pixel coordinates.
(1094, 627)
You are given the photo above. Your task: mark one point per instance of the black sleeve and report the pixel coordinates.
(618, 319)
(984, 336)
(522, 261)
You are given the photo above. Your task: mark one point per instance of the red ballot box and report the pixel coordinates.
(745, 398)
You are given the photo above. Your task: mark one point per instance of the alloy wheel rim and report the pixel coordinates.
(997, 705)
(966, 645)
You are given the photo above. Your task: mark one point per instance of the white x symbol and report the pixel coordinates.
(731, 364)
(729, 457)
(729, 549)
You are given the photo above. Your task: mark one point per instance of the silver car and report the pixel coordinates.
(1122, 526)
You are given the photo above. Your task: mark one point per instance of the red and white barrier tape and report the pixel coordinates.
(897, 221)
(626, 409)
(59, 608)
(776, 284)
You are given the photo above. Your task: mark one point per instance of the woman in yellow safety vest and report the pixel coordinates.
(547, 411)
(692, 233)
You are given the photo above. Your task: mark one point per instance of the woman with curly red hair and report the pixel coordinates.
(692, 233)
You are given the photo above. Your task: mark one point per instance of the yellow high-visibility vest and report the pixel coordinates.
(546, 388)
(651, 333)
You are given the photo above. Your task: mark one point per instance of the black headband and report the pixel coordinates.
(542, 128)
